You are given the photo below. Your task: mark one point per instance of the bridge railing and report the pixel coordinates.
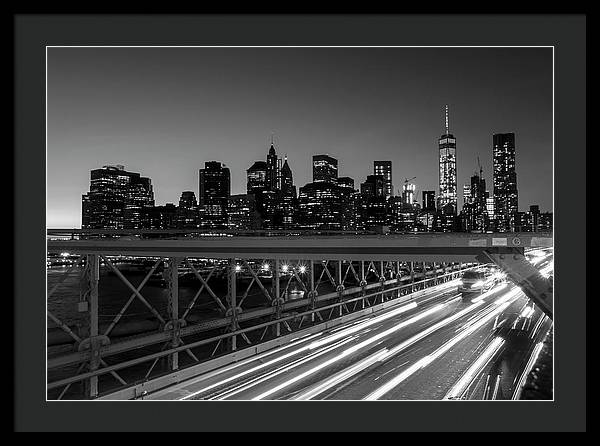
(96, 358)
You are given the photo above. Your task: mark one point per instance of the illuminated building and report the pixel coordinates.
(242, 212)
(384, 169)
(285, 214)
(162, 217)
(256, 177)
(346, 182)
(408, 194)
(325, 169)
(214, 187)
(187, 211)
(466, 194)
(320, 206)
(489, 205)
(273, 169)
(429, 200)
(373, 209)
(447, 199)
(117, 199)
(506, 197)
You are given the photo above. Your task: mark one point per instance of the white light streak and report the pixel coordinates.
(464, 382)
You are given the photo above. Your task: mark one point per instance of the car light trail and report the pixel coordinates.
(465, 381)
(425, 361)
(314, 345)
(341, 376)
(489, 293)
(349, 351)
(363, 324)
(283, 369)
(430, 330)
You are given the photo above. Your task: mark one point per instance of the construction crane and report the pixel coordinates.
(406, 180)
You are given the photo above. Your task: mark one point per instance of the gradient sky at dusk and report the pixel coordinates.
(163, 112)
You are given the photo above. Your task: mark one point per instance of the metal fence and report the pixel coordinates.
(95, 361)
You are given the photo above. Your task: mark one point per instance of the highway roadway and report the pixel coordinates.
(434, 344)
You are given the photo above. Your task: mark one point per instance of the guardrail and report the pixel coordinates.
(386, 290)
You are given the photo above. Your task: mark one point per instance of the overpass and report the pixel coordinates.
(333, 276)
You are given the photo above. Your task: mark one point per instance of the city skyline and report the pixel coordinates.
(353, 149)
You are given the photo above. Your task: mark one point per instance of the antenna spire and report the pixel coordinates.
(447, 127)
(271, 138)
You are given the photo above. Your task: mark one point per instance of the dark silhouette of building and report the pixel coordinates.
(533, 220)
(320, 206)
(384, 169)
(188, 216)
(214, 187)
(428, 200)
(162, 217)
(474, 215)
(325, 169)
(117, 199)
(373, 209)
(506, 197)
(447, 171)
(285, 213)
(243, 213)
(346, 182)
(256, 177)
(273, 169)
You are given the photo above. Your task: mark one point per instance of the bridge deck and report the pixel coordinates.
(453, 247)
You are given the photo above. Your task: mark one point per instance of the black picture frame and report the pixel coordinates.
(567, 33)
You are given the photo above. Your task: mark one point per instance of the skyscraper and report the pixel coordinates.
(506, 197)
(466, 194)
(384, 169)
(285, 217)
(117, 199)
(447, 170)
(256, 177)
(373, 207)
(273, 169)
(408, 193)
(187, 212)
(325, 169)
(214, 188)
(346, 182)
(429, 200)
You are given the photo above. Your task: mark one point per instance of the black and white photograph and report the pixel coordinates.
(301, 222)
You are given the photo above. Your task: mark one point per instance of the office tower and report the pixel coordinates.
(534, 212)
(466, 194)
(256, 177)
(373, 209)
(162, 217)
(489, 205)
(506, 197)
(242, 212)
(272, 169)
(320, 206)
(214, 188)
(447, 200)
(545, 222)
(117, 199)
(285, 212)
(346, 182)
(187, 211)
(408, 193)
(384, 169)
(325, 169)
(374, 186)
(429, 200)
